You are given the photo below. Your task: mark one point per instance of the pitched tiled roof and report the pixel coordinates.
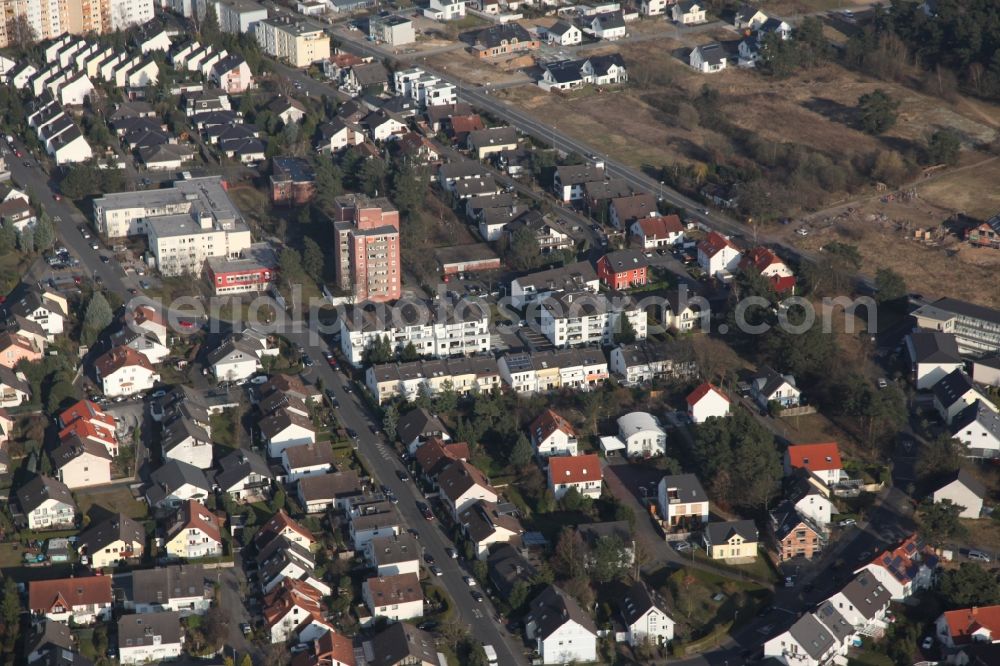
(547, 423)
(118, 358)
(195, 516)
(278, 523)
(715, 243)
(963, 623)
(815, 457)
(78, 591)
(398, 589)
(703, 390)
(660, 226)
(575, 469)
(459, 477)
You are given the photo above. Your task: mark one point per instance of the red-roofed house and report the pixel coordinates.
(707, 401)
(967, 625)
(461, 126)
(653, 232)
(767, 264)
(88, 431)
(821, 460)
(904, 570)
(88, 421)
(435, 454)
(580, 472)
(717, 255)
(83, 599)
(552, 435)
(124, 371)
(281, 524)
(330, 649)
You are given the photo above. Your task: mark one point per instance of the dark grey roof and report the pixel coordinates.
(592, 532)
(814, 638)
(565, 71)
(495, 35)
(293, 168)
(334, 485)
(50, 632)
(179, 430)
(309, 455)
(966, 478)
(171, 476)
(237, 466)
(720, 532)
(866, 594)
(149, 629)
(712, 53)
(236, 343)
(952, 387)
(560, 28)
(977, 412)
(602, 63)
(611, 20)
(577, 174)
(52, 655)
(933, 347)
(418, 423)
(118, 527)
(493, 136)
(569, 277)
(507, 567)
(687, 485)
(768, 381)
(370, 74)
(462, 168)
(41, 488)
(160, 585)
(637, 601)
(551, 609)
(395, 549)
(227, 64)
(970, 310)
(834, 622)
(626, 260)
(401, 642)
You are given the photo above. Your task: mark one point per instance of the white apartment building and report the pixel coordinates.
(583, 318)
(434, 328)
(185, 225)
(239, 16)
(126, 13)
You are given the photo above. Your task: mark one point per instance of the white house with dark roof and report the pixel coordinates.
(484, 524)
(978, 428)
(560, 629)
(863, 602)
(174, 483)
(770, 386)
(285, 428)
(183, 588)
(462, 485)
(563, 33)
(965, 491)
(933, 356)
(682, 501)
(112, 540)
(244, 476)
(644, 615)
(688, 13)
(609, 26)
(552, 435)
(708, 58)
(394, 555)
(417, 426)
(955, 392)
(307, 460)
(47, 504)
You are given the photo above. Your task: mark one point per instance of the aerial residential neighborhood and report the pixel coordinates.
(499, 333)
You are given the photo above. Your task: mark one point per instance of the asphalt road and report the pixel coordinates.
(383, 463)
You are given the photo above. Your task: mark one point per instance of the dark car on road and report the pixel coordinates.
(403, 476)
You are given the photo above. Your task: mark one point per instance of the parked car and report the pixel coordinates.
(979, 556)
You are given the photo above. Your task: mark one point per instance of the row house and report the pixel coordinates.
(649, 360)
(533, 372)
(410, 380)
(81, 599)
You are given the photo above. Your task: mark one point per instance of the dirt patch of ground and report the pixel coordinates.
(885, 235)
(970, 191)
(471, 69)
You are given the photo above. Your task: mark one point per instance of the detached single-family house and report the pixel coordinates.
(124, 371)
(560, 629)
(552, 435)
(286, 428)
(707, 401)
(623, 269)
(644, 615)
(14, 388)
(174, 483)
(112, 540)
(863, 602)
(187, 438)
(417, 426)
(933, 356)
(82, 599)
(822, 461)
(688, 13)
(978, 427)
(307, 460)
(445, 10)
(609, 26)
(394, 555)
(462, 485)
(708, 58)
(965, 491)
(283, 525)
(794, 534)
(762, 261)
(244, 476)
(47, 504)
(718, 256)
(289, 605)
(149, 637)
(582, 473)
(563, 33)
(395, 598)
(194, 534)
(658, 231)
(732, 539)
(770, 387)
(969, 626)
(80, 463)
(332, 490)
(236, 359)
(955, 392)
(484, 524)
(185, 588)
(683, 502)
(642, 434)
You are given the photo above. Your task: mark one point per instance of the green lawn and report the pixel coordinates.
(223, 427)
(760, 568)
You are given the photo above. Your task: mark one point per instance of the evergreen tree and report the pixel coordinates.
(520, 454)
(26, 241)
(878, 111)
(97, 317)
(312, 259)
(390, 418)
(44, 234)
